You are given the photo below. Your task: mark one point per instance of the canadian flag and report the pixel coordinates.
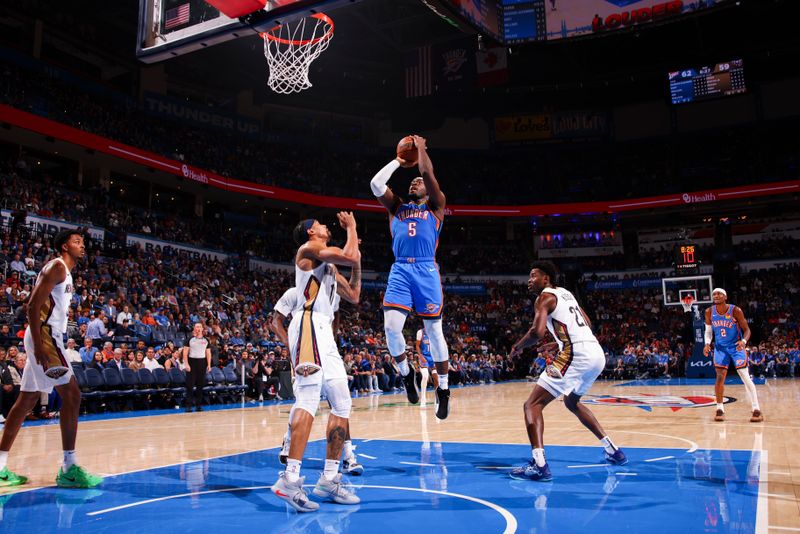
(492, 66)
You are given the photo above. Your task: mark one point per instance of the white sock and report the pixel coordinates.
(404, 370)
(720, 406)
(608, 445)
(293, 470)
(3, 459)
(443, 378)
(749, 387)
(348, 449)
(331, 469)
(70, 459)
(538, 457)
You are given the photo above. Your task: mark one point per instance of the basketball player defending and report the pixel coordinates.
(727, 327)
(426, 365)
(46, 368)
(578, 364)
(414, 281)
(289, 304)
(318, 367)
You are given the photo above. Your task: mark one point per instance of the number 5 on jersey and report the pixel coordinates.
(412, 229)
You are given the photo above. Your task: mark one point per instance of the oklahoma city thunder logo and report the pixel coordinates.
(431, 307)
(648, 402)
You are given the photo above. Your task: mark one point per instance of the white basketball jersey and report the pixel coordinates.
(56, 308)
(317, 288)
(289, 303)
(566, 321)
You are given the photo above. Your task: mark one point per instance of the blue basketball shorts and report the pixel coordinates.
(723, 356)
(427, 361)
(415, 287)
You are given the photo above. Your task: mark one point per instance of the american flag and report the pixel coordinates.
(176, 16)
(419, 72)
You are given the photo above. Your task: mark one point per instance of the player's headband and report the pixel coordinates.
(719, 290)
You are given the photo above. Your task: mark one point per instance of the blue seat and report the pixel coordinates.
(113, 382)
(80, 377)
(94, 383)
(232, 380)
(162, 378)
(147, 382)
(77, 365)
(178, 380)
(131, 381)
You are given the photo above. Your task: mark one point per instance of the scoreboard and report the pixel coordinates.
(687, 262)
(692, 85)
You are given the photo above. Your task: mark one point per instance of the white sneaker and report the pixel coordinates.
(350, 466)
(294, 494)
(334, 490)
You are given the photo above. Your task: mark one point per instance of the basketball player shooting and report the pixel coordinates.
(728, 329)
(578, 364)
(318, 367)
(414, 282)
(46, 368)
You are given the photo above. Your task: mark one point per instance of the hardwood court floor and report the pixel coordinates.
(635, 415)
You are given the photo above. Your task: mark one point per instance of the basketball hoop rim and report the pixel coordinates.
(302, 42)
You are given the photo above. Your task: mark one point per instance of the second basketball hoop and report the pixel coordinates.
(291, 47)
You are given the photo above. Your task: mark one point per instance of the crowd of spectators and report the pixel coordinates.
(136, 310)
(579, 171)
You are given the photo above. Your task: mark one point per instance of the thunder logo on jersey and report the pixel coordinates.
(415, 231)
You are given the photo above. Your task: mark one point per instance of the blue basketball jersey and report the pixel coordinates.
(726, 329)
(415, 231)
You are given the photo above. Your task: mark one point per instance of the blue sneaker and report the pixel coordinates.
(618, 458)
(531, 471)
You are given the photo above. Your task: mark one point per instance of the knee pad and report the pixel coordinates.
(393, 321)
(339, 398)
(307, 398)
(433, 327)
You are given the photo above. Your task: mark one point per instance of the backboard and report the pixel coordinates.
(169, 28)
(675, 290)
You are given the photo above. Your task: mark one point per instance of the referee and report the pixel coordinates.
(197, 362)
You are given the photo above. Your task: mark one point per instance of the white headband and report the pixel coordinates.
(719, 290)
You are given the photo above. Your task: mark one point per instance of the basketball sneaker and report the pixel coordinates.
(757, 416)
(283, 456)
(531, 471)
(351, 466)
(294, 494)
(334, 490)
(9, 478)
(412, 390)
(442, 403)
(618, 458)
(77, 477)
(720, 416)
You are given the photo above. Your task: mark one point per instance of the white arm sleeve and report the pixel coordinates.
(709, 334)
(379, 181)
(419, 335)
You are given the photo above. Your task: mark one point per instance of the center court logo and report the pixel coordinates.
(648, 402)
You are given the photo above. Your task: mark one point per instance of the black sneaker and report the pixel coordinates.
(412, 390)
(198, 409)
(443, 403)
(188, 409)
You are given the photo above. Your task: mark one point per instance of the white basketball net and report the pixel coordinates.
(290, 48)
(686, 303)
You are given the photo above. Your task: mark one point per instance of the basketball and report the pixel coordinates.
(407, 151)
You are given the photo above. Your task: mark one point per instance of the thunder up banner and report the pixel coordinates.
(57, 130)
(51, 226)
